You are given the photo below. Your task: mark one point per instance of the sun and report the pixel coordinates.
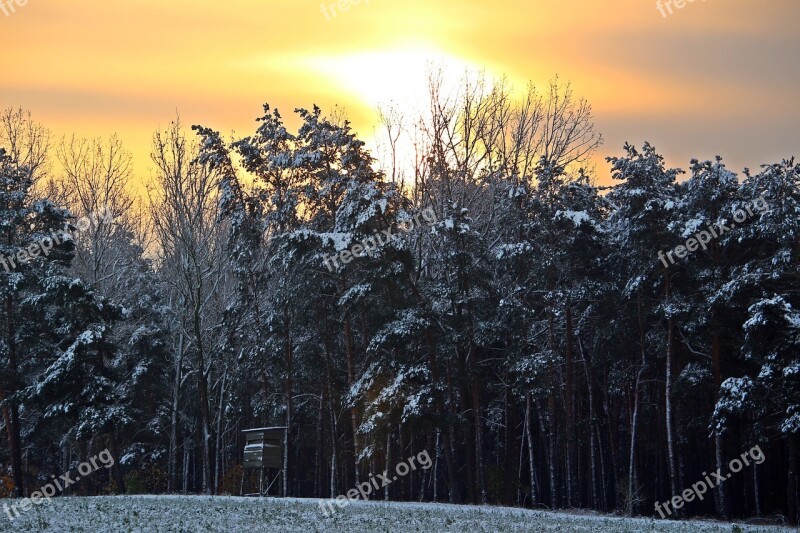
(394, 77)
(397, 74)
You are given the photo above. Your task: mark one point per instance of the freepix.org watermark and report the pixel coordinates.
(44, 245)
(699, 489)
(372, 244)
(330, 10)
(58, 485)
(9, 7)
(376, 483)
(702, 238)
(665, 6)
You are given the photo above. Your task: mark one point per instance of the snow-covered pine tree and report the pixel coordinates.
(644, 202)
(764, 279)
(55, 342)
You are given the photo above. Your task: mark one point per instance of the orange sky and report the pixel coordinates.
(715, 77)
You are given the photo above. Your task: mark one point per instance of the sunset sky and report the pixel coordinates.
(715, 77)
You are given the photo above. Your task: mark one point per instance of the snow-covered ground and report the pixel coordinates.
(227, 514)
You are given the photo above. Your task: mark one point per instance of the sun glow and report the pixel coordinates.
(84, 67)
(398, 74)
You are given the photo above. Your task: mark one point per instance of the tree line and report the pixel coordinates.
(529, 338)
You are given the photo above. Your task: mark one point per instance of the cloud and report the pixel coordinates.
(719, 75)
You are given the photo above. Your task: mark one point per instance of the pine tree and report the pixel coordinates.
(643, 201)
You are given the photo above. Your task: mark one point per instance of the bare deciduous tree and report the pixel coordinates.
(26, 141)
(192, 255)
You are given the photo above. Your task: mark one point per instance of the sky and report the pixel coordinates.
(713, 77)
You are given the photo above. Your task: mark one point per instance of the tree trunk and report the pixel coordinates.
(792, 478)
(10, 418)
(202, 387)
(521, 498)
(476, 416)
(288, 356)
(10, 409)
(615, 478)
(205, 421)
(401, 446)
(510, 451)
(632, 481)
(332, 412)
(670, 418)
(185, 467)
(592, 426)
(218, 448)
(116, 468)
(172, 481)
(720, 491)
(570, 408)
(551, 453)
(531, 454)
(436, 465)
(551, 417)
(351, 379)
(318, 476)
(452, 476)
(388, 462)
(469, 427)
(632, 477)
(603, 472)
(756, 490)
(456, 495)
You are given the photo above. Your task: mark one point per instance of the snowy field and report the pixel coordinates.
(226, 514)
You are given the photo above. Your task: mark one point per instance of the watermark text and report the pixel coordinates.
(376, 483)
(699, 489)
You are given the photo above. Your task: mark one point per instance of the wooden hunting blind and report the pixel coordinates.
(263, 448)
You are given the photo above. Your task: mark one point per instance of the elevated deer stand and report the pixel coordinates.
(263, 449)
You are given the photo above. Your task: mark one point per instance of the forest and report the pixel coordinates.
(521, 325)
